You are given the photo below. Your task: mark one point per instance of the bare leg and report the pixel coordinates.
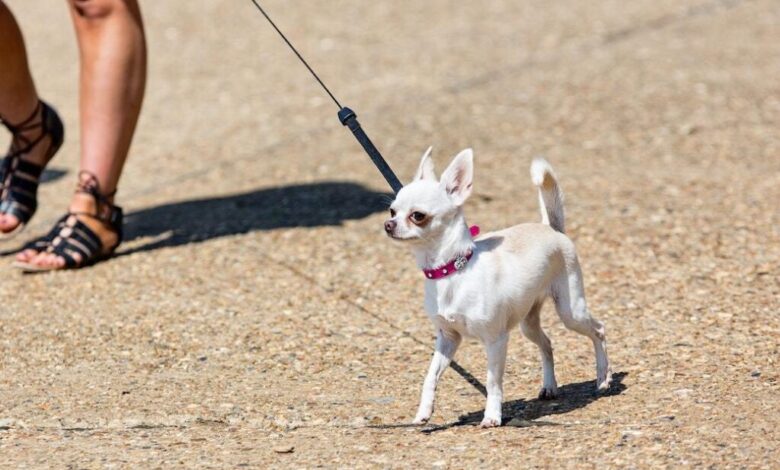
(446, 345)
(112, 48)
(496, 356)
(18, 97)
(532, 329)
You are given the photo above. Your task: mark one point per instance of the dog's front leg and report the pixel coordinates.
(446, 345)
(496, 356)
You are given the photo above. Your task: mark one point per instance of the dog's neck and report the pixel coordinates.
(455, 241)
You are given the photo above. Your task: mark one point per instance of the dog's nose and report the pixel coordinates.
(390, 226)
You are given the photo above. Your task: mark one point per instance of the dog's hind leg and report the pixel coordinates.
(568, 294)
(532, 329)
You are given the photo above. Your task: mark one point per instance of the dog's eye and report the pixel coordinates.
(417, 216)
(392, 212)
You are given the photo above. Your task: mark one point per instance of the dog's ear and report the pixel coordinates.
(425, 171)
(459, 176)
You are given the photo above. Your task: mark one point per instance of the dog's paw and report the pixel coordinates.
(424, 413)
(603, 386)
(602, 383)
(490, 422)
(548, 393)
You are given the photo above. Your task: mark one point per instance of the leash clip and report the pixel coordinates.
(345, 114)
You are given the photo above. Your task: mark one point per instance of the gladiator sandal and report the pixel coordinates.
(73, 240)
(19, 178)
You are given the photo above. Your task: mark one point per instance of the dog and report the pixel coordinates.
(484, 287)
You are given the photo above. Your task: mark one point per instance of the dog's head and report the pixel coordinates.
(424, 208)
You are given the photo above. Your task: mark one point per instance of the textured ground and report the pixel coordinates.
(257, 316)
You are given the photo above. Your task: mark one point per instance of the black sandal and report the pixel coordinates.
(72, 239)
(19, 178)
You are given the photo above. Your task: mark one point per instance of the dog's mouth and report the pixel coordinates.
(400, 239)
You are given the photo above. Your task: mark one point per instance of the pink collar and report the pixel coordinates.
(454, 265)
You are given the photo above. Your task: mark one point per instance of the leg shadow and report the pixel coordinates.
(52, 174)
(521, 413)
(199, 220)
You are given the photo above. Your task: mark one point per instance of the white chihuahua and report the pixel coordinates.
(483, 288)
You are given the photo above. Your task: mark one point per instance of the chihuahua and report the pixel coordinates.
(484, 287)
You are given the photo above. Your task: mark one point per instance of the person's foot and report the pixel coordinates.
(34, 142)
(87, 209)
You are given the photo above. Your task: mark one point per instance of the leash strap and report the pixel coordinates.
(347, 117)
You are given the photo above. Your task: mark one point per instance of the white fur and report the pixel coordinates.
(550, 195)
(504, 284)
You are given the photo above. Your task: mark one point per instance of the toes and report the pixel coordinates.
(56, 262)
(26, 255)
(39, 259)
(47, 260)
(59, 262)
(8, 223)
(420, 421)
(603, 386)
(489, 422)
(604, 380)
(422, 417)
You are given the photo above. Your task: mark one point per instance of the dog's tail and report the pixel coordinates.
(550, 195)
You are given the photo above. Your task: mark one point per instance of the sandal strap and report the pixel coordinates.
(49, 123)
(26, 170)
(74, 237)
(24, 125)
(27, 125)
(41, 243)
(107, 212)
(19, 178)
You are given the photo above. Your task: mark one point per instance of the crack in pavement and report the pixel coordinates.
(465, 374)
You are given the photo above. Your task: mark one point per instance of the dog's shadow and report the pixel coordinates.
(521, 413)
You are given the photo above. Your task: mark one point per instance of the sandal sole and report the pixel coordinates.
(28, 268)
(31, 268)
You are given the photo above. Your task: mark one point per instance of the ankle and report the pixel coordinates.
(28, 132)
(84, 203)
(21, 111)
(89, 197)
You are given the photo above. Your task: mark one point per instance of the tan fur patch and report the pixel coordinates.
(423, 223)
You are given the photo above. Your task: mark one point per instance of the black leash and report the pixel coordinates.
(346, 116)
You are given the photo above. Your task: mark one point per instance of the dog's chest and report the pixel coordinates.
(451, 306)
